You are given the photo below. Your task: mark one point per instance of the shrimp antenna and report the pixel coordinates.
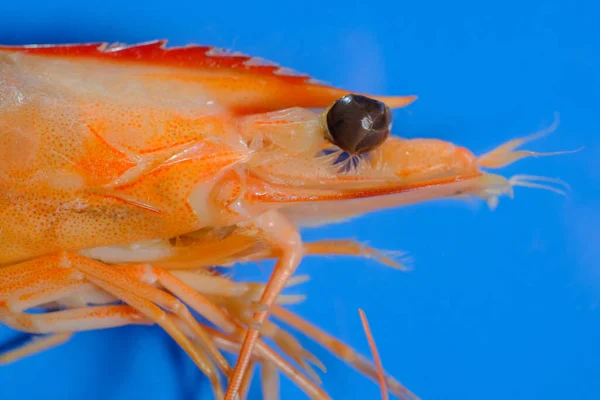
(373, 346)
(507, 153)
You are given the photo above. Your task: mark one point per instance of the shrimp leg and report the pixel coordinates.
(99, 317)
(36, 345)
(78, 319)
(142, 296)
(247, 381)
(139, 295)
(230, 340)
(282, 232)
(341, 350)
(349, 247)
(264, 353)
(211, 251)
(233, 327)
(62, 324)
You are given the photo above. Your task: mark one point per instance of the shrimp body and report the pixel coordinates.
(124, 169)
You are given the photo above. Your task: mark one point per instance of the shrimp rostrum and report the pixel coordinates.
(128, 174)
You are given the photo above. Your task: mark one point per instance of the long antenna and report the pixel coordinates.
(380, 375)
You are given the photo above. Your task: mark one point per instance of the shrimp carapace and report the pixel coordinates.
(128, 172)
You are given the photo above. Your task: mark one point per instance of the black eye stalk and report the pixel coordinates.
(357, 124)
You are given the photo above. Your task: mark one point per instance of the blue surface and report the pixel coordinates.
(500, 305)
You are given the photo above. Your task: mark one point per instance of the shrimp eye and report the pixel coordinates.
(358, 124)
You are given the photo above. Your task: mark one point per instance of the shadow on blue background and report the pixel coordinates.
(500, 304)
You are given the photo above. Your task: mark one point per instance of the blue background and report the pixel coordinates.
(499, 304)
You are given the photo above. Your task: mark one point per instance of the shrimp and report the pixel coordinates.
(129, 175)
